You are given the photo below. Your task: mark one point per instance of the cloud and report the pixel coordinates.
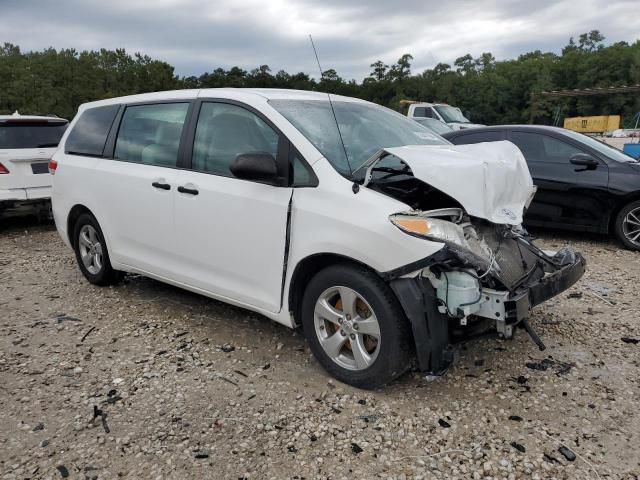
(199, 36)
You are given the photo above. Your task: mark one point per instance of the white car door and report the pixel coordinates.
(137, 186)
(231, 233)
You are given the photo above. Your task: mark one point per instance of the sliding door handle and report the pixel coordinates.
(189, 191)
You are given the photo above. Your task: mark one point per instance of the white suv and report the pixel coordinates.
(27, 143)
(381, 239)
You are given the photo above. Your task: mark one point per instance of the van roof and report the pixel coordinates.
(231, 93)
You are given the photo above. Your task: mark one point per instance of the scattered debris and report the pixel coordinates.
(515, 418)
(87, 334)
(575, 295)
(566, 453)
(550, 458)
(103, 416)
(38, 427)
(443, 423)
(634, 341)
(518, 447)
(355, 448)
(546, 363)
(200, 454)
(227, 348)
(64, 473)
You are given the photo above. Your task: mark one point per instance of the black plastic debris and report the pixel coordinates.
(521, 380)
(545, 364)
(313, 437)
(542, 365)
(266, 366)
(103, 417)
(44, 443)
(515, 418)
(112, 397)
(362, 401)
(200, 454)
(226, 348)
(518, 447)
(292, 449)
(566, 453)
(633, 341)
(443, 423)
(64, 473)
(575, 295)
(38, 427)
(355, 448)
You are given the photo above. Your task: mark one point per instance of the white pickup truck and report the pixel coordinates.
(452, 116)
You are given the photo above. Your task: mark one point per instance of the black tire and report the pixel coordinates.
(619, 226)
(106, 274)
(395, 349)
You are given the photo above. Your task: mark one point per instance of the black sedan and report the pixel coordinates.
(583, 184)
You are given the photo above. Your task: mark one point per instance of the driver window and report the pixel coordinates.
(225, 131)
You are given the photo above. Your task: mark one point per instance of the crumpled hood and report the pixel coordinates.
(490, 180)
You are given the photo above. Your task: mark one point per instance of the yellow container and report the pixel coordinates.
(595, 124)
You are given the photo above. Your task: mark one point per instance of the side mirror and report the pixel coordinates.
(258, 166)
(585, 160)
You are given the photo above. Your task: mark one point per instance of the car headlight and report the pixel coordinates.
(430, 228)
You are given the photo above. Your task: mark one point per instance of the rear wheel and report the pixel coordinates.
(355, 326)
(627, 226)
(91, 252)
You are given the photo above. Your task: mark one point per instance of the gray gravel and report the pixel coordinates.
(143, 380)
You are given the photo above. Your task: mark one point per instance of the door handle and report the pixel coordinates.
(189, 191)
(163, 186)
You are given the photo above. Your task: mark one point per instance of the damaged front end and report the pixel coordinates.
(486, 275)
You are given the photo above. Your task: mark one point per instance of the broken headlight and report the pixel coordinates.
(430, 228)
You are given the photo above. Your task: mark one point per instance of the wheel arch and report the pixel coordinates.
(307, 268)
(72, 218)
(635, 196)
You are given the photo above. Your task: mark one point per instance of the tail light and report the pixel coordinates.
(52, 166)
(3, 169)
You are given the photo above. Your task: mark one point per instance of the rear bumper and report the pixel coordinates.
(22, 194)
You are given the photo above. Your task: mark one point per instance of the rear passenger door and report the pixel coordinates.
(231, 232)
(138, 184)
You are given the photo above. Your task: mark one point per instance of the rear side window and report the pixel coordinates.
(90, 131)
(477, 137)
(225, 131)
(423, 112)
(150, 134)
(543, 148)
(36, 134)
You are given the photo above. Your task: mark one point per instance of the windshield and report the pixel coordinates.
(601, 147)
(31, 135)
(365, 128)
(451, 114)
(435, 125)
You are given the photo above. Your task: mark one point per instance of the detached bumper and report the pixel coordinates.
(517, 307)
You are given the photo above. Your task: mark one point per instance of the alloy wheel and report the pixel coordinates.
(631, 226)
(90, 249)
(347, 328)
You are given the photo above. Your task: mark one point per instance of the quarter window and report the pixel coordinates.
(543, 148)
(225, 131)
(150, 134)
(90, 131)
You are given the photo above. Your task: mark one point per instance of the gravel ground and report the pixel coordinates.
(143, 380)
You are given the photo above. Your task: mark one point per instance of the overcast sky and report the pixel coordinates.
(348, 35)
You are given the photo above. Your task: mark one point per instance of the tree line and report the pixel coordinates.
(57, 81)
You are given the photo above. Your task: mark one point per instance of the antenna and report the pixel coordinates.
(346, 157)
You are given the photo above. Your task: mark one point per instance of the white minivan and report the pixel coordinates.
(383, 241)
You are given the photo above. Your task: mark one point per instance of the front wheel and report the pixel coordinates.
(355, 326)
(627, 226)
